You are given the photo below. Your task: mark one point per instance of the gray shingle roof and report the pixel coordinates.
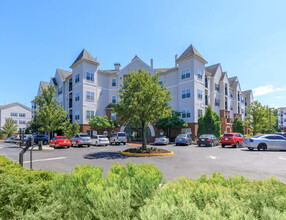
(222, 76)
(247, 92)
(135, 57)
(212, 69)
(108, 72)
(189, 52)
(166, 70)
(84, 55)
(233, 81)
(64, 74)
(14, 104)
(44, 84)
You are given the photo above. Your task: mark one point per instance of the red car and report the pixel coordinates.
(60, 141)
(234, 139)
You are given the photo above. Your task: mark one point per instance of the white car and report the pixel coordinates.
(266, 142)
(162, 140)
(80, 140)
(118, 138)
(99, 140)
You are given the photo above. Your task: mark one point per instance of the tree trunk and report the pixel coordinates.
(143, 136)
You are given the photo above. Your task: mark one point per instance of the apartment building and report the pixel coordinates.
(282, 118)
(87, 91)
(21, 114)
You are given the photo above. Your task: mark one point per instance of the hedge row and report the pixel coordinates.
(134, 192)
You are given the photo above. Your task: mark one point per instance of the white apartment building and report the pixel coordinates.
(282, 118)
(86, 91)
(21, 114)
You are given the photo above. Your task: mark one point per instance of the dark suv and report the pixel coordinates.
(39, 137)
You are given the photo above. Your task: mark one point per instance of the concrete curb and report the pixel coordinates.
(147, 155)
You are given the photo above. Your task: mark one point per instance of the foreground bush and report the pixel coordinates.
(134, 192)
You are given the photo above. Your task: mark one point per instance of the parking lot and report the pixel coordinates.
(189, 161)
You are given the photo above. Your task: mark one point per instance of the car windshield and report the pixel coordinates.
(257, 136)
(228, 135)
(182, 135)
(101, 136)
(121, 134)
(61, 137)
(205, 136)
(84, 135)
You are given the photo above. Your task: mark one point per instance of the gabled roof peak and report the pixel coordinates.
(135, 57)
(213, 68)
(84, 55)
(190, 52)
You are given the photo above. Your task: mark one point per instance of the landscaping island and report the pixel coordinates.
(146, 152)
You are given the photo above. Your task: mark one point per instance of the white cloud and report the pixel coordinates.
(263, 90)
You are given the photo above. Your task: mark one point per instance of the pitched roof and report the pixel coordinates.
(135, 57)
(64, 74)
(166, 70)
(247, 92)
(108, 72)
(14, 104)
(222, 76)
(212, 69)
(84, 55)
(233, 81)
(44, 84)
(189, 52)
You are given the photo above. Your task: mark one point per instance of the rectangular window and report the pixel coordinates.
(206, 82)
(22, 122)
(113, 116)
(200, 74)
(89, 114)
(77, 78)
(217, 87)
(15, 122)
(113, 99)
(186, 74)
(216, 102)
(186, 93)
(77, 96)
(23, 115)
(231, 108)
(238, 97)
(206, 100)
(113, 82)
(225, 105)
(89, 96)
(13, 114)
(90, 76)
(238, 110)
(186, 113)
(200, 94)
(225, 90)
(186, 131)
(60, 90)
(161, 80)
(76, 116)
(200, 112)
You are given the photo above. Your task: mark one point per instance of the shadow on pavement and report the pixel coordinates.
(105, 155)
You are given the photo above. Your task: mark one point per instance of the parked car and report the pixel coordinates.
(37, 138)
(99, 140)
(234, 139)
(60, 141)
(281, 133)
(207, 140)
(183, 139)
(118, 138)
(266, 141)
(80, 140)
(9, 139)
(162, 140)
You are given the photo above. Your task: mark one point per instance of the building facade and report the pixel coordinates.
(282, 119)
(87, 91)
(21, 114)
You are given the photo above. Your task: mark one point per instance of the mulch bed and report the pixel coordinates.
(148, 150)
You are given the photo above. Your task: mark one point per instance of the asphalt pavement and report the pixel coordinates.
(188, 161)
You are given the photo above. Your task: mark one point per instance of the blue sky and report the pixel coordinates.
(248, 38)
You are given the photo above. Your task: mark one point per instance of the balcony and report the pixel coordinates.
(70, 103)
(70, 87)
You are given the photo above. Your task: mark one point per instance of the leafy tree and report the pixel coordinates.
(9, 127)
(32, 127)
(49, 116)
(99, 122)
(1, 135)
(237, 125)
(256, 118)
(209, 123)
(142, 100)
(174, 121)
(112, 124)
(69, 129)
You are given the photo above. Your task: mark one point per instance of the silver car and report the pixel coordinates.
(80, 140)
(183, 139)
(162, 140)
(118, 138)
(99, 140)
(266, 142)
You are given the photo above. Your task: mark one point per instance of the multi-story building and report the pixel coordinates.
(282, 118)
(21, 114)
(87, 91)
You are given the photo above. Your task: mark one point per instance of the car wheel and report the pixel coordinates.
(88, 145)
(237, 144)
(68, 146)
(223, 146)
(176, 144)
(199, 145)
(124, 143)
(262, 147)
(250, 148)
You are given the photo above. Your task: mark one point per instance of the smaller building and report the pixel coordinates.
(282, 119)
(21, 114)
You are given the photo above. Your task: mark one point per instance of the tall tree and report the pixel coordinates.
(257, 118)
(237, 125)
(69, 129)
(142, 100)
(174, 121)
(99, 122)
(49, 116)
(9, 127)
(209, 123)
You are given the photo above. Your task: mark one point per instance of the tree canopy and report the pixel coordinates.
(9, 127)
(238, 126)
(142, 100)
(69, 129)
(99, 122)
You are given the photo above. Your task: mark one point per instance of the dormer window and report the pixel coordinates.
(90, 76)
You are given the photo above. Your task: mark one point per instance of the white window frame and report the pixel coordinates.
(112, 82)
(217, 103)
(77, 98)
(113, 99)
(89, 114)
(186, 113)
(185, 74)
(22, 122)
(200, 94)
(200, 74)
(200, 113)
(89, 96)
(185, 93)
(22, 115)
(76, 116)
(89, 76)
(76, 78)
(14, 114)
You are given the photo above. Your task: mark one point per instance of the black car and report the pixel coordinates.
(37, 138)
(207, 140)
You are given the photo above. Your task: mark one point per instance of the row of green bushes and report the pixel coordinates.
(134, 192)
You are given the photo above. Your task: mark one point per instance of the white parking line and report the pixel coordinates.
(47, 159)
(212, 157)
(282, 158)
